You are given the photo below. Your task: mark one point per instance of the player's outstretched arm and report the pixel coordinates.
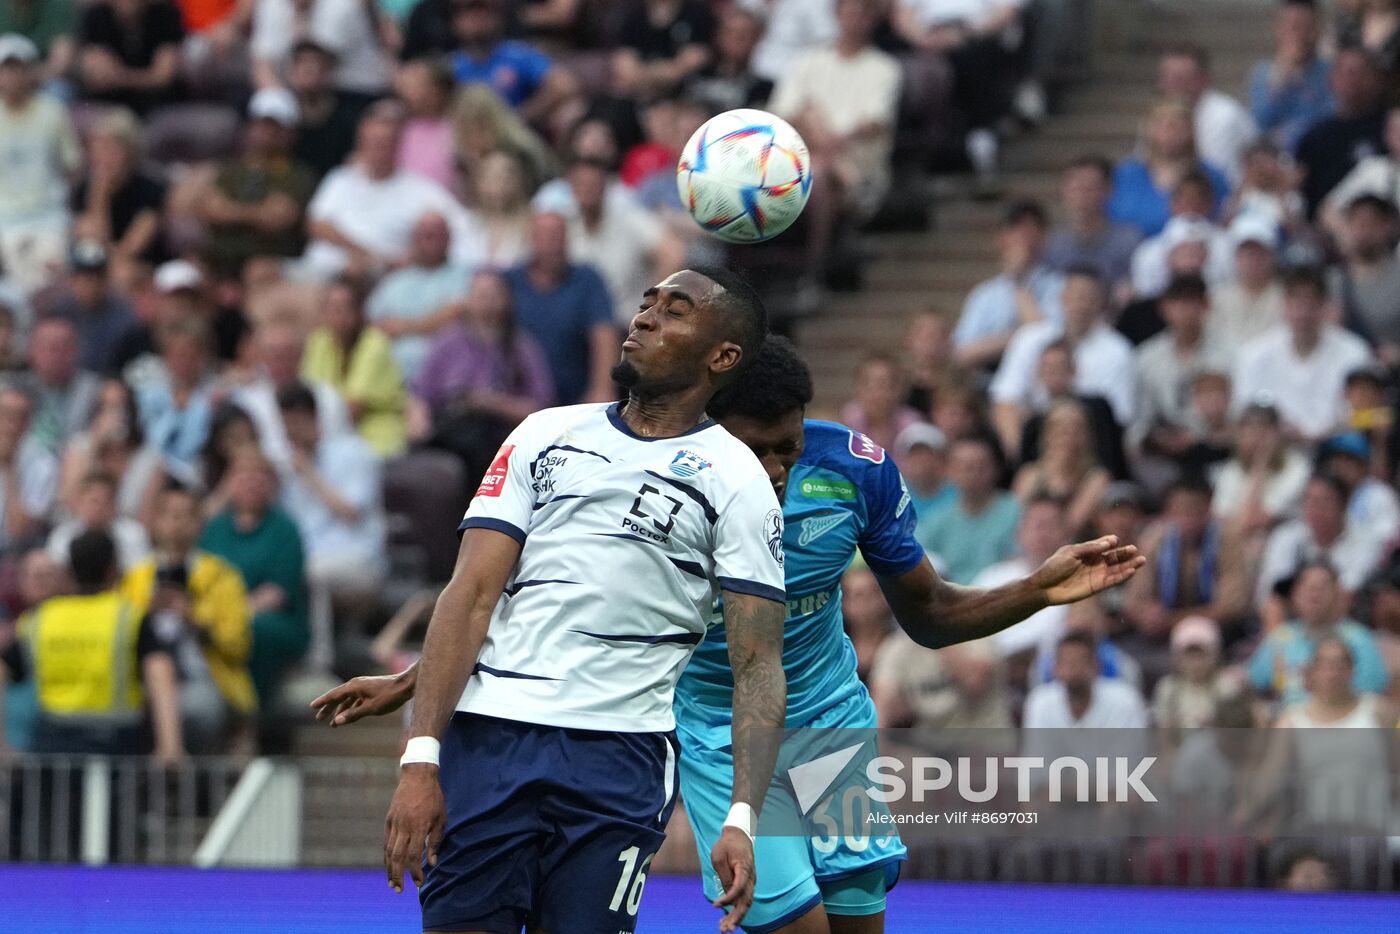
(936, 613)
(455, 634)
(754, 627)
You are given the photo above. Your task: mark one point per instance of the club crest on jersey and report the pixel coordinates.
(773, 528)
(688, 464)
(815, 527)
(495, 479)
(865, 449)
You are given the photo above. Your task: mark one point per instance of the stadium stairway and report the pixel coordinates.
(1100, 111)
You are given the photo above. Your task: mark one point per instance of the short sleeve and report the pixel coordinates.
(1015, 377)
(328, 197)
(505, 499)
(749, 542)
(887, 543)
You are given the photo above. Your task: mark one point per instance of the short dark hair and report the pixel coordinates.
(1382, 206)
(93, 558)
(1195, 178)
(1192, 483)
(176, 488)
(1018, 212)
(746, 319)
(1096, 161)
(1085, 271)
(1305, 277)
(776, 383)
(296, 397)
(1196, 53)
(99, 478)
(1187, 287)
(1079, 638)
(1041, 498)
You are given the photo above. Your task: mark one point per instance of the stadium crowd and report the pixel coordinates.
(280, 275)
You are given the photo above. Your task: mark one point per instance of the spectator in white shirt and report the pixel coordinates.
(28, 473)
(1322, 533)
(1372, 508)
(1103, 359)
(1262, 482)
(1224, 127)
(361, 218)
(794, 27)
(1302, 366)
(1191, 208)
(1079, 697)
(349, 28)
(1377, 175)
(96, 508)
(1041, 531)
(1249, 303)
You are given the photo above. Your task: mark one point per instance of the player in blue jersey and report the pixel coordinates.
(840, 493)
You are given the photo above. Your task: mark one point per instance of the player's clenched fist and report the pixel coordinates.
(416, 820)
(732, 857)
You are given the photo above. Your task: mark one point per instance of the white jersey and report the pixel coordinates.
(625, 544)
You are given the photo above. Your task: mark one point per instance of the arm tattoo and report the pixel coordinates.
(755, 631)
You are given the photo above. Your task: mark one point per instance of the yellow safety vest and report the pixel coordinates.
(84, 654)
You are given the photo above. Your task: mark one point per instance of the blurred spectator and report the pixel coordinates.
(413, 303)
(328, 118)
(63, 393)
(502, 201)
(482, 123)
(256, 205)
(427, 31)
(357, 361)
(28, 473)
(1142, 186)
(102, 316)
(426, 88)
(113, 444)
(129, 52)
(278, 349)
(1103, 358)
(96, 508)
(347, 28)
(116, 205)
(1041, 531)
(1372, 415)
(960, 689)
(94, 678)
(1374, 26)
(867, 617)
(1091, 618)
(1078, 697)
(1278, 665)
(230, 433)
(482, 376)
(980, 39)
(1190, 697)
(1026, 291)
(1333, 147)
(1372, 506)
(176, 411)
(1320, 534)
(960, 410)
(1164, 429)
(522, 75)
(1223, 126)
(1088, 236)
(929, 358)
(1262, 482)
(921, 451)
(1057, 377)
(1250, 303)
(1188, 227)
(1364, 285)
(40, 577)
(1289, 92)
(1121, 512)
(41, 152)
(1301, 367)
(200, 609)
(1067, 469)
(1377, 175)
(877, 410)
(362, 216)
(334, 494)
(979, 529)
(664, 42)
(51, 26)
(792, 28)
(1267, 193)
(729, 80)
(566, 308)
(844, 100)
(1194, 568)
(262, 542)
(1385, 621)
(1307, 871)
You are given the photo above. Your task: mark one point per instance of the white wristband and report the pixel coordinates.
(420, 749)
(743, 817)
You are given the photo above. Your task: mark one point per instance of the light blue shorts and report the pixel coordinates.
(795, 873)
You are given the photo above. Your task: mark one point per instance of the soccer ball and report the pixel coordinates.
(744, 176)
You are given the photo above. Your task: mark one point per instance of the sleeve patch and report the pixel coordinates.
(773, 528)
(867, 450)
(495, 479)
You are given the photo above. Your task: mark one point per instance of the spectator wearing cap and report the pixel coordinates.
(64, 393)
(729, 80)
(1103, 358)
(1320, 533)
(256, 205)
(1262, 482)
(129, 53)
(522, 75)
(116, 204)
(41, 153)
(1371, 413)
(921, 451)
(328, 118)
(1142, 186)
(877, 410)
(1372, 505)
(1057, 376)
(1165, 426)
(28, 474)
(1332, 148)
(1317, 615)
(1026, 290)
(979, 529)
(1366, 283)
(103, 317)
(1190, 224)
(348, 28)
(1302, 365)
(1377, 175)
(362, 216)
(664, 42)
(1289, 92)
(1191, 695)
(1087, 236)
(51, 26)
(1249, 303)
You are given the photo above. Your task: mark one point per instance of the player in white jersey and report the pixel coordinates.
(591, 556)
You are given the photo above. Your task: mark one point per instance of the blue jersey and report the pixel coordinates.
(844, 493)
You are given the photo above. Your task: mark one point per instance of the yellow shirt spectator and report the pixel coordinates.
(369, 379)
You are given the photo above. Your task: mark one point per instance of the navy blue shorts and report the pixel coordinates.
(547, 825)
